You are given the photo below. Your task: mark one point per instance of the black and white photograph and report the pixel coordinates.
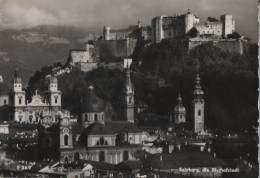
(129, 88)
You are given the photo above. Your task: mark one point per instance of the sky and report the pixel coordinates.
(19, 14)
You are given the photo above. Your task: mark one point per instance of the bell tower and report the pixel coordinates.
(198, 106)
(129, 98)
(17, 99)
(65, 131)
(54, 95)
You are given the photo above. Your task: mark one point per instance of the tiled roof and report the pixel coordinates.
(132, 164)
(122, 127)
(98, 129)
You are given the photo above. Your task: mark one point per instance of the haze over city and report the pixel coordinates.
(120, 13)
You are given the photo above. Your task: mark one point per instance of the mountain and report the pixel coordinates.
(32, 48)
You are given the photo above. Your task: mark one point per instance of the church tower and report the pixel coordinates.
(65, 131)
(129, 98)
(198, 106)
(54, 95)
(179, 112)
(17, 99)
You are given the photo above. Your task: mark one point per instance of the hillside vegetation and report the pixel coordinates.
(229, 81)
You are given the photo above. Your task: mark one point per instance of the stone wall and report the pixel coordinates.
(115, 48)
(231, 45)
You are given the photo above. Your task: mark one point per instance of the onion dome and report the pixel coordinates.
(17, 78)
(92, 103)
(3, 87)
(179, 108)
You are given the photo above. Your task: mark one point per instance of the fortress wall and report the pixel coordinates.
(79, 56)
(231, 46)
(86, 67)
(225, 45)
(115, 48)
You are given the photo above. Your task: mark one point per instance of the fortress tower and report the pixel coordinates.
(228, 24)
(129, 98)
(198, 106)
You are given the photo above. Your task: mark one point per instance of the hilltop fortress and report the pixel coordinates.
(164, 27)
(115, 45)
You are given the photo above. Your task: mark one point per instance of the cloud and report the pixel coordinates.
(121, 13)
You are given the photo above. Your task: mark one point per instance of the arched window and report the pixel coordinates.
(66, 140)
(130, 100)
(30, 118)
(95, 117)
(66, 160)
(101, 141)
(86, 117)
(125, 156)
(199, 112)
(76, 156)
(56, 99)
(102, 156)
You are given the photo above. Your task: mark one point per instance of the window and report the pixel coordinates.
(66, 160)
(199, 112)
(5, 101)
(30, 118)
(20, 101)
(95, 117)
(125, 155)
(102, 156)
(56, 99)
(130, 100)
(101, 141)
(66, 140)
(86, 117)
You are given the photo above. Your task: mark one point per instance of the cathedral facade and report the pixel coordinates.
(30, 112)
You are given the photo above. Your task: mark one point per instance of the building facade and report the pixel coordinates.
(165, 27)
(30, 112)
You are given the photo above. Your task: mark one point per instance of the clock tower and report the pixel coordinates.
(198, 106)
(65, 132)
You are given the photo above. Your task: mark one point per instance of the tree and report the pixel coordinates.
(212, 19)
(193, 32)
(234, 35)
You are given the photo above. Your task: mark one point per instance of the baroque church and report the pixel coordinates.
(23, 111)
(95, 138)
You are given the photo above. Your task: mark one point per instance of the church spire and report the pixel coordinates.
(198, 90)
(129, 98)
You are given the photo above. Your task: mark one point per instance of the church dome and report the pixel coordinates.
(92, 103)
(179, 108)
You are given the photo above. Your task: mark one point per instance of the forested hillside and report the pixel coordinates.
(229, 81)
